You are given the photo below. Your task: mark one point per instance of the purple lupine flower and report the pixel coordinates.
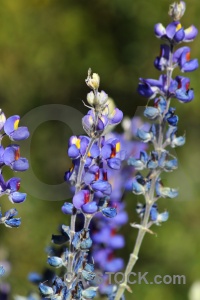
(89, 124)
(175, 32)
(179, 88)
(9, 220)
(11, 188)
(150, 87)
(161, 62)
(14, 132)
(105, 232)
(112, 154)
(97, 179)
(81, 201)
(10, 156)
(182, 58)
(155, 217)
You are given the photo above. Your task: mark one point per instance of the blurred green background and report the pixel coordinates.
(46, 48)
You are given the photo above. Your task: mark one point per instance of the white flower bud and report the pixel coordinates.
(102, 98)
(176, 10)
(90, 98)
(93, 81)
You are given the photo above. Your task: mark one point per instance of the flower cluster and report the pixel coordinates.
(105, 232)
(10, 157)
(162, 134)
(93, 156)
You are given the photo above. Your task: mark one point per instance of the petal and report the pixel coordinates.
(173, 121)
(83, 145)
(153, 213)
(171, 29)
(178, 141)
(190, 33)
(163, 217)
(79, 198)
(20, 165)
(10, 154)
(179, 35)
(178, 52)
(145, 90)
(2, 119)
(11, 124)
(116, 116)
(89, 293)
(11, 213)
(89, 177)
(95, 151)
(151, 112)
(73, 152)
(171, 165)
(184, 97)
(114, 163)
(106, 151)
(55, 261)
(102, 186)
(13, 184)
(15, 222)
(102, 122)
(190, 66)
(88, 123)
(17, 197)
(67, 208)
(159, 30)
(89, 267)
(90, 207)
(109, 212)
(168, 192)
(86, 244)
(20, 134)
(137, 188)
(45, 290)
(144, 136)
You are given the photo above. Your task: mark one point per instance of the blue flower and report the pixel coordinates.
(67, 208)
(174, 32)
(11, 157)
(55, 261)
(112, 153)
(179, 89)
(14, 132)
(89, 293)
(149, 88)
(164, 192)
(162, 61)
(8, 219)
(182, 58)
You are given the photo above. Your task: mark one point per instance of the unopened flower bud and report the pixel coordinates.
(176, 10)
(90, 98)
(101, 98)
(93, 81)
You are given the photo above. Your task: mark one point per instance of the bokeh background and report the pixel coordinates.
(46, 48)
